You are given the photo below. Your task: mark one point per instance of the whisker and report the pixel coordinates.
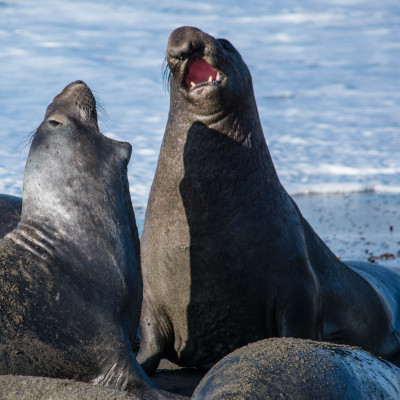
(166, 75)
(101, 109)
(27, 140)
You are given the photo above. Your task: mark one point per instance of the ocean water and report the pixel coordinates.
(326, 78)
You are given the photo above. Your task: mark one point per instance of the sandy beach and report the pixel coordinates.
(362, 227)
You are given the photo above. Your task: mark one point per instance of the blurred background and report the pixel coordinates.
(326, 78)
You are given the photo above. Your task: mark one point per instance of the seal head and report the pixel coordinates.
(208, 74)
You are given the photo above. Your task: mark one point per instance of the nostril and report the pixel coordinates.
(186, 42)
(78, 82)
(181, 51)
(187, 50)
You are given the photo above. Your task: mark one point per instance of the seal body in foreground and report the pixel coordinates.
(298, 369)
(10, 213)
(227, 258)
(70, 280)
(13, 387)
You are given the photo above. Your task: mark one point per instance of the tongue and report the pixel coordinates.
(198, 70)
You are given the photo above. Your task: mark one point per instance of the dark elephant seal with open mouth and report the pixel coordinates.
(227, 257)
(10, 213)
(298, 369)
(70, 279)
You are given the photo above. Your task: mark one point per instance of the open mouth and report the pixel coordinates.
(200, 72)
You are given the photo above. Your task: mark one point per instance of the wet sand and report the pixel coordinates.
(363, 227)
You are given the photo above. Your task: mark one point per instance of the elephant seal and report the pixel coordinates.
(298, 369)
(10, 213)
(70, 279)
(227, 258)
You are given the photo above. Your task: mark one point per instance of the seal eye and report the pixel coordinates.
(56, 120)
(54, 123)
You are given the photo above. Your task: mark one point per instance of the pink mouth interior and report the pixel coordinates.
(199, 70)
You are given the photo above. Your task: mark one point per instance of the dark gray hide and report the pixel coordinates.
(38, 388)
(10, 213)
(297, 369)
(70, 277)
(227, 257)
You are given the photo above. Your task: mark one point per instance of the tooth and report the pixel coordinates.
(192, 84)
(218, 78)
(210, 78)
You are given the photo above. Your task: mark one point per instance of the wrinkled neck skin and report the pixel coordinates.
(76, 206)
(238, 122)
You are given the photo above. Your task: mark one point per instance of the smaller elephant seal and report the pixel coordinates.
(227, 258)
(70, 279)
(10, 213)
(298, 369)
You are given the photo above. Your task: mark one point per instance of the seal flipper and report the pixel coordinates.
(126, 375)
(152, 342)
(298, 303)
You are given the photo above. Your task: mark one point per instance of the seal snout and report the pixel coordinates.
(184, 42)
(77, 83)
(190, 46)
(76, 100)
(73, 86)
